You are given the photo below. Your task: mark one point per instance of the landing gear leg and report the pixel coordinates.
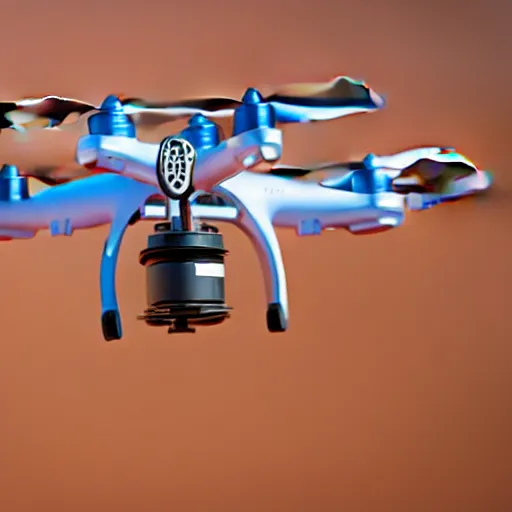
(110, 317)
(264, 239)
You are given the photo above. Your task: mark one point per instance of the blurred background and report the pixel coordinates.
(391, 390)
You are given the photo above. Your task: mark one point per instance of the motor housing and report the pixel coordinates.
(184, 278)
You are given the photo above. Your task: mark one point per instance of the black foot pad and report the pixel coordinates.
(111, 325)
(276, 320)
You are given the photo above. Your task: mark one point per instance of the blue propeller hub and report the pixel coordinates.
(111, 120)
(369, 161)
(370, 180)
(201, 133)
(253, 113)
(13, 187)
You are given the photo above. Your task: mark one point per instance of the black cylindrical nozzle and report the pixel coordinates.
(184, 278)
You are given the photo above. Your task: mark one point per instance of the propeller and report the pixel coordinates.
(393, 162)
(293, 103)
(431, 176)
(45, 112)
(424, 169)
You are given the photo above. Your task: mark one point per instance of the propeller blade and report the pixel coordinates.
(322, 101)
(302, 102)
(293, 103)
(432, 175)
(394, 162)
(45, 112)
(208, 107)
(52, 111)
(335, 174)
(403, 159)
(5, 108)
(436, 169)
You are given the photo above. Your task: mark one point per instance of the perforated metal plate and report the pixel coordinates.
(175, 167)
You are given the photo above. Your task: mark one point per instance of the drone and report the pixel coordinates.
(196, 176)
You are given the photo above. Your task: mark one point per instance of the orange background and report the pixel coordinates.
(391, 390)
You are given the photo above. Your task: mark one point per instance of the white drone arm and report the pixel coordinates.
(122, 155)
(255, 150)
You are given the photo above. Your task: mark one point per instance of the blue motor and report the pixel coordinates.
(201, 133)
(13, 187)
(111, 120)
(369, 180)
(253, 113)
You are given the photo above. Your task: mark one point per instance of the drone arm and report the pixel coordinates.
(264, 239)
(110, 317)
(255, 150)
(121, 155)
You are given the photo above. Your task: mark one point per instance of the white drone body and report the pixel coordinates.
(255, 202)
(235, 179)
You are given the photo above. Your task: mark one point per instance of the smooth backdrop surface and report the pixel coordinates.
(391, 390)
